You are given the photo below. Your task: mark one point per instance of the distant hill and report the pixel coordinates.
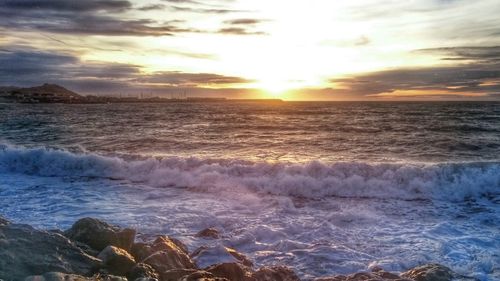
(44, 93)
(6, 90)
(51, 89)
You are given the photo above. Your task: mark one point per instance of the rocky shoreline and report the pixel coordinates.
(95, 250)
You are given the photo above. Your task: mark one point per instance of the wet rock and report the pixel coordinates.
(209, 233)
(27, 251)
(116, 261)
(57, 276)
(378, 275)
(275, 273)
(429, 272)
(169, 259)
(3, 221)
(231, 271)
(140, 250)
(239, 256)
(185, 274)
(163, 254)
(98, 234)
(142, 270)
(208, 255)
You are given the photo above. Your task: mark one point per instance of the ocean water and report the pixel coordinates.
(326, 188)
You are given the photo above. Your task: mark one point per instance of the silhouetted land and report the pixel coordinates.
(51, 93)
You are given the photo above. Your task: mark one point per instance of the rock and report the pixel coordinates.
(169, 259)
(98, 234)
(3, 221)
(429, 272)
(140, 250)
(275, 273)
(379, 275)
(184, 274)
(57, 276)
(163, 254)
(116, 261)
(208, 255)
(239, 256)
(231, 271)
(209, 233)
(27, 251)
(142, 270)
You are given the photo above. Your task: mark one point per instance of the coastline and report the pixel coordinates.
(95, 250)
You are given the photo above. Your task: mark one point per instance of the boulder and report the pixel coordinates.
(275, 273)
(163, 254)
(57, 276)
(141, 250)
(116, 261)
(378, 275)
(3, 221)
(27, 251)
(184, 274)
(429, 272)
(167, 260)
(231, 271)
(208, 233)
(209, 255)
(98, 234)
(142, 270)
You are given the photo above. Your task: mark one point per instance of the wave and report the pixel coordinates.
(408, 181)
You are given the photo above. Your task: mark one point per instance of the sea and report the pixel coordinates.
(323, 187)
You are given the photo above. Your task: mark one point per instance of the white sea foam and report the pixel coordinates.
(444, 181)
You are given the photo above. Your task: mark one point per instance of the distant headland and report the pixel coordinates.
(52, 93)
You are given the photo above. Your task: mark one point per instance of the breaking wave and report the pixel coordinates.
(408, 181)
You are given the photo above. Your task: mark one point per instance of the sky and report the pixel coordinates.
(293, 50)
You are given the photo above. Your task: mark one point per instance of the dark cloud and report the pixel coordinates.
(190, 79)
(243, 21)
(484, 54)
(64, 5)
(201, 10)
(152, 7)
(478, 74)
(239, 31)
(242, 26)
(465, 79)
(80, 17)
(28, 67)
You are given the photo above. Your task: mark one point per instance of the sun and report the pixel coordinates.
(275, 88)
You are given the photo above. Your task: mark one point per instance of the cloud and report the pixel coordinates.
(90, 17)
(239, 31)
(28, 67)
(175, 78)
(483, 54)
(362, 41)
(69, 6)
(152, 7)
(476, 74)
(241, 26)
(470, 79)
(243, 21)
(203, 10)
